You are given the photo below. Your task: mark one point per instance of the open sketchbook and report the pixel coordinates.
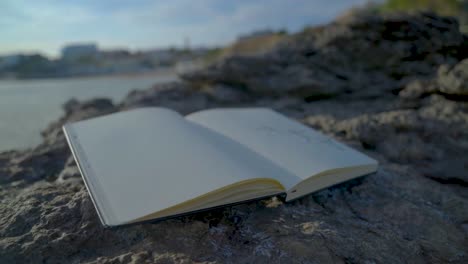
(152, 163)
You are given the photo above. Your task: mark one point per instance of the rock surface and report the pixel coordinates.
(365, 56)
(393, 87)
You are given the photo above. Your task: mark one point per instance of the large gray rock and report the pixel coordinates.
(362, 56)
(407, 211)
(450, 81)
(454, 81)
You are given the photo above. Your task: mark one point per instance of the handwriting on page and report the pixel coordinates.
(302, 134)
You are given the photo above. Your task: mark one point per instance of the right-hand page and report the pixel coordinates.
(290, 144)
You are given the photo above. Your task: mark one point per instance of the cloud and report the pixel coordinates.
(46, 25)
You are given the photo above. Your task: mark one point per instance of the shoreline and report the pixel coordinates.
(157, 72)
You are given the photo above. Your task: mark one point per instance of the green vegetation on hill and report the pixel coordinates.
(255, 44)
(455, 8)
(247, 46)
(443, 7)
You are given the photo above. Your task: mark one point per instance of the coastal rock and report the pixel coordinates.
(226, 94)
(449, 81)
(70, 172)
(177, 96)
(414, 209)
(417, 89)
(430, 139)
(365, 56)
(454, 81)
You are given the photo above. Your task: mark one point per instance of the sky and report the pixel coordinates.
(45, 26)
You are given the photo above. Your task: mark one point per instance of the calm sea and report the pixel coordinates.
(28, 106)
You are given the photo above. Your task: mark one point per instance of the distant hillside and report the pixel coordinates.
(442, 7)
(454, 8)
(256, 44)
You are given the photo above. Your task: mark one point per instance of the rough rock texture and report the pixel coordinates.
(360, 55)
(451, 82)
(393, 87)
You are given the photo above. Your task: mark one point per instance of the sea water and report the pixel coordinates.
(28, 106)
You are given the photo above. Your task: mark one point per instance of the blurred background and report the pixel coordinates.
(52, 51)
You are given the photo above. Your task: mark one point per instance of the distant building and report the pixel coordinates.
(76, 51)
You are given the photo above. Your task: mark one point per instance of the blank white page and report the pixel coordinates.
(290, 144)
(142, 161)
